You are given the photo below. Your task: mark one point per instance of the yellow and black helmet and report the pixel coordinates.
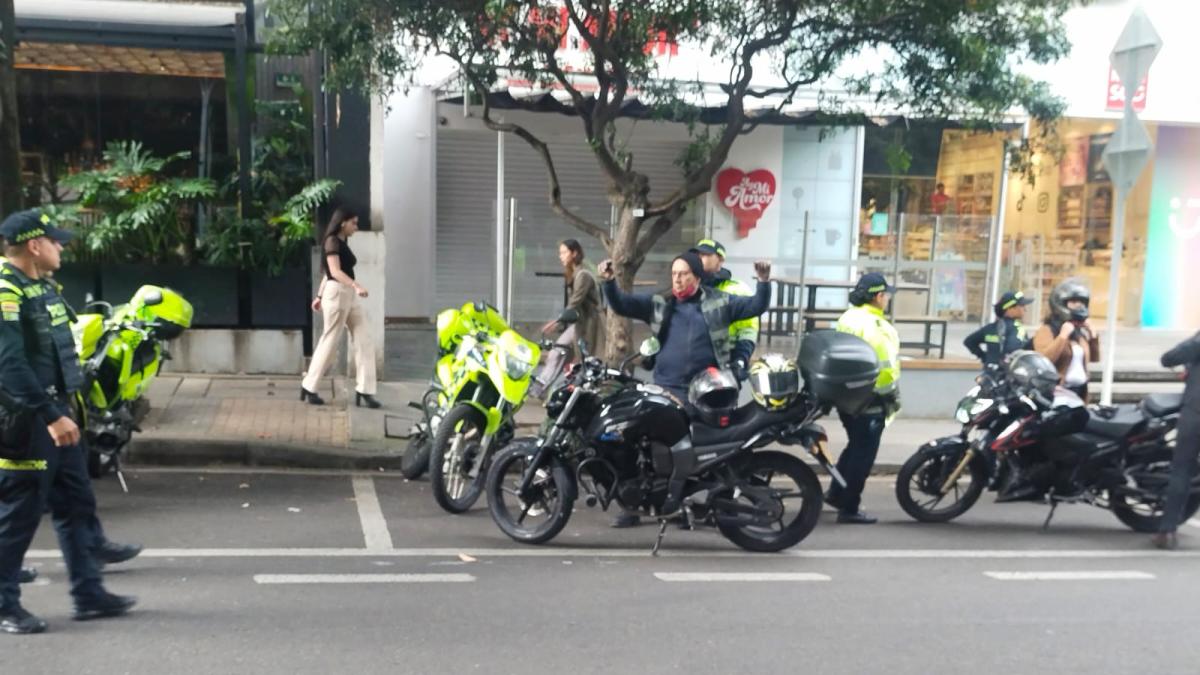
(775, 381)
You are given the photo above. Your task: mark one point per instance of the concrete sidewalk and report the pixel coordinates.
(259, 421)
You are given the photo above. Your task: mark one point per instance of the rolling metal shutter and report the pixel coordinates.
(466, 197)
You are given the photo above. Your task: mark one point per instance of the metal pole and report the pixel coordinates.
(933, 242)
(512, 244)
(1114, 302)
(803, 255)
(992, 285)
(896, 261)
(500, 297)
(245, 149)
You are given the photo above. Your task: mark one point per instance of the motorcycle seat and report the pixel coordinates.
(744, 423)
(1117, 425)
(1161, 405)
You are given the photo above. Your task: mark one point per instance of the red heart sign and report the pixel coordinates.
(746, 195)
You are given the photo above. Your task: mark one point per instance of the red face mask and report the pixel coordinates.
(685, 294)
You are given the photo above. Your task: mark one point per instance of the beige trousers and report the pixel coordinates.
(341, 309)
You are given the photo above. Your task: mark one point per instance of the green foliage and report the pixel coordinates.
(280, 229)
(272, 243)
(143, 213)
(936, 59)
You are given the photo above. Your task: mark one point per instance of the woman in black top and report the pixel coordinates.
(337, 300)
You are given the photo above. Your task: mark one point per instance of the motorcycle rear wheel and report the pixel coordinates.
(550, 500)
(1140, 516)
(415, 461)
(771, 469)
(920, 479)
(456, 447)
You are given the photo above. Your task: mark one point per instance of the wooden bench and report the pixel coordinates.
(828, 317)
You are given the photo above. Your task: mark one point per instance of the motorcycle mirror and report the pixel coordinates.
(650, 346)
(569, 316)
(152, 298)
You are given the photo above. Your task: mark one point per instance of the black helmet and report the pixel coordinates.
(1071, 289)
(1030, 370)
(713, 394)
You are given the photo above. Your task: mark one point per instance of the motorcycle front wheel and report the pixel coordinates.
(415, 461)
(793, 492)
(538, 515)
(457, 446)
(920, 481)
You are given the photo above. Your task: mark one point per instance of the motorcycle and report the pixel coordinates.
(494, 368)
(121, 350)
(618, 440)
(1116, 458)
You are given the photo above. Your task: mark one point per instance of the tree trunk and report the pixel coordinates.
(10, 122)
(623, 252)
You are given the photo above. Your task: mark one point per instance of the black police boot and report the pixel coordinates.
(17, 621)
(103, 606)
(27, 575)
(109, 553)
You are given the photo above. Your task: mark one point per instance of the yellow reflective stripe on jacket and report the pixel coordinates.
(869, 323)
(22, 464)
(746, 329)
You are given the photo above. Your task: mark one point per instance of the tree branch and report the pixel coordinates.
(554, 188)
(661, 225)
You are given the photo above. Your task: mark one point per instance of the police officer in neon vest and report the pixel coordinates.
(39, 376)
(991, 343)
(863, 431)
(743, 333)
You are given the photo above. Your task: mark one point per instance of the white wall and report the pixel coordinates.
(409, 172)
(817, 175)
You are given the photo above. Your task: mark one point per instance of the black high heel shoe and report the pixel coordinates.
(311, 397)
(367, 400)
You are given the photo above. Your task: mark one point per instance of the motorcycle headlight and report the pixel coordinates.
(519, 362)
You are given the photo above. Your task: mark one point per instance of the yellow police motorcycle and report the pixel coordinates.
(121, 350)
(452, 326)
(488, 382)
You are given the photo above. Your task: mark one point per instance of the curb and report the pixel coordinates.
(195, 452)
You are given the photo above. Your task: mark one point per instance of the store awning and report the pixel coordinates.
(129, 23)
(88, 58)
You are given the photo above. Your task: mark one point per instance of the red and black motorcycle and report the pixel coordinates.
(1017, 422)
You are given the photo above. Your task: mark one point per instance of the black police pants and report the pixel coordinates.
(65, 488)
(863, 434)
(1184, 463)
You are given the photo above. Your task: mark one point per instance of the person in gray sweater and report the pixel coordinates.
(1187, 441)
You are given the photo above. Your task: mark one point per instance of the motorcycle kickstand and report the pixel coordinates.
(662, 530)
(1053, 506)
(116, 462)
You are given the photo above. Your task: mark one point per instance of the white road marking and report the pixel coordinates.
(1194, 522)
(374, 526)
(362, 578)
(644, 552)
(1091, 575)
(740, 576)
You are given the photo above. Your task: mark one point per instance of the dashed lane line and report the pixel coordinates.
(363, 578)
(375, 529)
(739, 576)
(1088, 575)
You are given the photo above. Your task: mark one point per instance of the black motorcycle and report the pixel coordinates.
(1116, 457)
(620, 440)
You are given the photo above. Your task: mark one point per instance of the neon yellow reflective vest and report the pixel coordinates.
(869, 323)
(746, 329)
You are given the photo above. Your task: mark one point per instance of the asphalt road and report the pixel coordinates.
(336, 573)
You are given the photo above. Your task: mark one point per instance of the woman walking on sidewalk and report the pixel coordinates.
(583, 296)
(338, 301)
